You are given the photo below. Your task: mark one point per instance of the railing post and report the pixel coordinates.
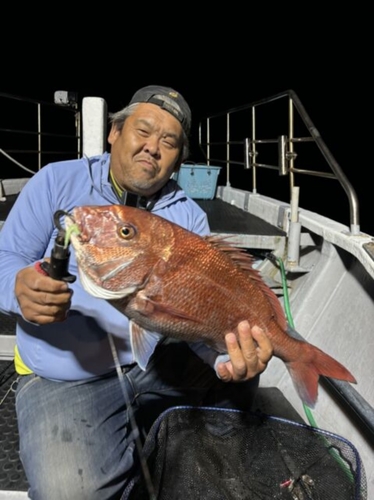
(228, 149)
(39, 136)
(282, 155)
(94, 117)
(291, 156)
(254, 151)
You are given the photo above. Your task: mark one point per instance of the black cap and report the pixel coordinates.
(168, 99)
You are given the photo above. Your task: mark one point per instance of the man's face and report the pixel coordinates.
(147, 150)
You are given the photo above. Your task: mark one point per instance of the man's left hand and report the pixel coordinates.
(249, 354)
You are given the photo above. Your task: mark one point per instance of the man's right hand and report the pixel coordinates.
(42, 299)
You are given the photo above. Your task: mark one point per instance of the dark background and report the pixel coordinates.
(239, 58)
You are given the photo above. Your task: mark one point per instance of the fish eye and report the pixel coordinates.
(126, 232)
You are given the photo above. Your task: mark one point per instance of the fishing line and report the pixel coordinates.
(133, 423)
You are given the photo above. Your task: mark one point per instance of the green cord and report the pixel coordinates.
(287, 308)
(70, 230)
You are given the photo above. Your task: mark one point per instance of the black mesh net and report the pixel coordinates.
(220, 454)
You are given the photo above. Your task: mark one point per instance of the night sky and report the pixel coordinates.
(328, 73)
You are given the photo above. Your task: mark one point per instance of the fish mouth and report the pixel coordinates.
(65, 233)
(75, 232)
(69, 219)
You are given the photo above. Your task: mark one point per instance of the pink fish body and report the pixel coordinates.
(171, 281)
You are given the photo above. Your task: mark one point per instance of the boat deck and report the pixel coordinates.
(12, 476)
(6, 206)
(226, 218)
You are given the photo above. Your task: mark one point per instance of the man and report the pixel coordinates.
(76, 440)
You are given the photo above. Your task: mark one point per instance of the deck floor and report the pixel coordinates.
(6, 205)
(12, 476)
(226, 218)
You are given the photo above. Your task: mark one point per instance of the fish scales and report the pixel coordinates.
(208, 279)
(168, 280)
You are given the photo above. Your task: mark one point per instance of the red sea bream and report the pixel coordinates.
(168, 280)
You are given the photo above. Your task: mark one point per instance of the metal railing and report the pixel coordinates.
(237, 148)
(34, 132)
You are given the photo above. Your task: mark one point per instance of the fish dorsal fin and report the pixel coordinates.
(237, 254)
(245, 261)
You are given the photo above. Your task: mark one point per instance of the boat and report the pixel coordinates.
(250, 179)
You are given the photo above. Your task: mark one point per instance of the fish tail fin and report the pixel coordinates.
(307, 368)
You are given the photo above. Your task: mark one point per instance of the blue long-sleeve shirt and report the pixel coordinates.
(77, 348)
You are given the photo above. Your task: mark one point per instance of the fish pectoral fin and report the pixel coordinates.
(143, 343)
(150, 306)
